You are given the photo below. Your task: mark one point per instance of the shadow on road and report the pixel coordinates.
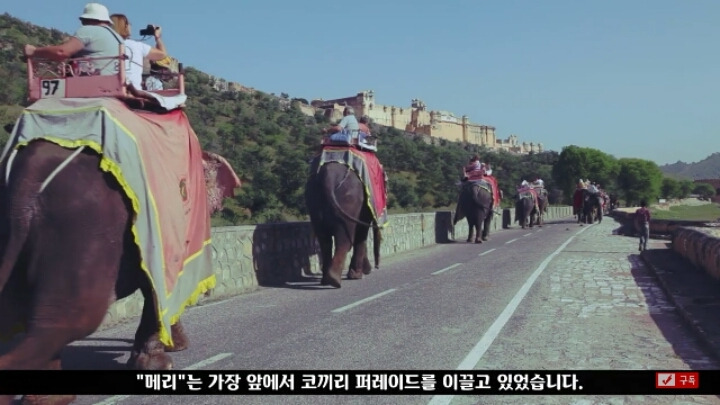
(100, 356)
(686, 344)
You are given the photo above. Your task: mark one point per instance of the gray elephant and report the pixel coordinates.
(338, 208)
(525, 207)
(475, 203)
(592, 206)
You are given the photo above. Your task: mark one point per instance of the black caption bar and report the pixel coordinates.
(359, 382)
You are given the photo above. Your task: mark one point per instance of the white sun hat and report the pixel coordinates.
(96, 11)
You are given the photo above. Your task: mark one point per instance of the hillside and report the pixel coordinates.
(708, 168)
(269, 141)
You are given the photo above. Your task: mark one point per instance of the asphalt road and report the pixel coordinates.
(440, 307)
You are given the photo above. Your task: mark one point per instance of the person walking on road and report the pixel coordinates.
(642, 224)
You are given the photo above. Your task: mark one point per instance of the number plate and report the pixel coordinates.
(54, 88)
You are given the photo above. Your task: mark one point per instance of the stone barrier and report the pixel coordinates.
(699, 246)
(247, 257)
(696, 241)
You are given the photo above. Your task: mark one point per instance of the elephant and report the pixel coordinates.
(542, 206)
(592, 207)
(66, 253)
(525, 209)
(475, 203)
(339, 213)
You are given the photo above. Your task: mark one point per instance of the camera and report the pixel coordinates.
(148, 31)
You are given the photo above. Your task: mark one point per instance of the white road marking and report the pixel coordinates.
(527, 234)
(117, 398)
(484, 253)
(211, 360)
(510, 241)
(446, 269)
(473, 358)
(362, 301)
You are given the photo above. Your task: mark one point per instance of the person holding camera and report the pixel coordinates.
(94, 39)
(137, 51)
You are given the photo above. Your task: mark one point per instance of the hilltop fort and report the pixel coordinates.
(415, 118)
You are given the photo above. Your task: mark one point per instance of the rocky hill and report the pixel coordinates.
(708, 168)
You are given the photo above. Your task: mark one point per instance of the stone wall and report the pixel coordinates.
(696, 241)
(700, 246)
(247, 257)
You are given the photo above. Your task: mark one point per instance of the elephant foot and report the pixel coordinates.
(47, 399)
(150, 356)
(180, 340)
(147, 361)
(485, 238)
(330, 281)
(478, 240)
(354, 275)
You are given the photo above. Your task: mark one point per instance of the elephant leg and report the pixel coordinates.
(486, 226)
(470, 229)
(359, 263)
(326, 245)
(343, 244)
(148, 353)
(478, 228)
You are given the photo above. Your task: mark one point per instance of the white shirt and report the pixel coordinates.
(136, 52)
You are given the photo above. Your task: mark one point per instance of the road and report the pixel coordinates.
(557, 297)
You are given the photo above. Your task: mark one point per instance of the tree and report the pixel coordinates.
(704, 190)
(670, 188)
(639, 179)
(686, 187)
(575, 163)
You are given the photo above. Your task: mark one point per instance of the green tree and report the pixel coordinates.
(670, 188)
(575, 163)
(639, 179)
(704, 190)
(686, 187)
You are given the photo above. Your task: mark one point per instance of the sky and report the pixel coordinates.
(632, 78)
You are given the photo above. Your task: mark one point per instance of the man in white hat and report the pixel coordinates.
(94, 39)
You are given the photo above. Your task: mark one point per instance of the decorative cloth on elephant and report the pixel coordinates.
(368, 168)
(577, 200)
(220, 180)
(526, 191)
(157, 161)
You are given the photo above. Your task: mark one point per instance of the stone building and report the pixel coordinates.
(419, 120)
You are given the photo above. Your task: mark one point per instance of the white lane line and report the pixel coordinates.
(117, 398)
(362, 301)
(484, 253)
(473, 358)
(528, 234)
(446, 269)
(211, 360)
(510, 241)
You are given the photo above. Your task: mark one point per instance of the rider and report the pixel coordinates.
(364, 132)
(94, 39)
(347, 129)
(137, 51)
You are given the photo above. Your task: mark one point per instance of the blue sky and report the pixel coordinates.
(631, 78)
